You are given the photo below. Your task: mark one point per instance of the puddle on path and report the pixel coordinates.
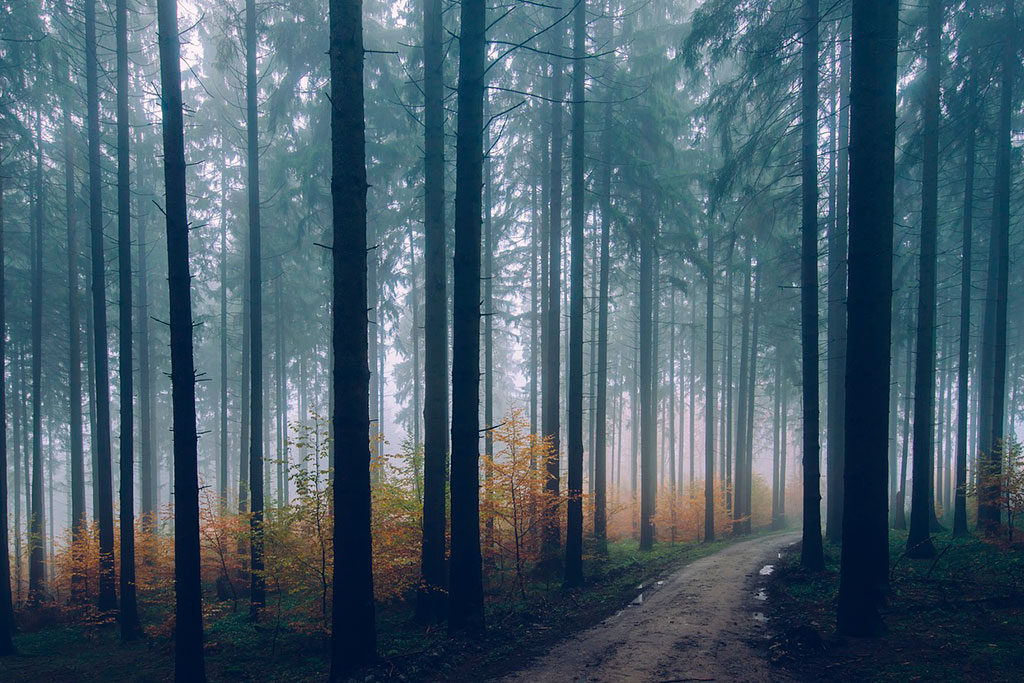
(767, 569)
(761, 594)
(760, 617)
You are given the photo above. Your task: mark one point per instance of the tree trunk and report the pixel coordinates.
(963, 360)
(648, 464)
(864, 566)
(466, 608)
(6, 601)
(188, 623)
(77, 464)
(900, 515)
(601, 417)
(431, 603)
(811, 554)
(709, 397)
(837, 247)
(551, 333)
(574, 418)
(37, 535)
(131, 629)
(993, 361)
(354, 639)
(149, 474)
(222, 473)
(741, 418)
(748, 453)
(919, 542)
(102, 474)
(257, 585)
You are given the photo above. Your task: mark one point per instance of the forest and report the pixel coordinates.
(569, 340)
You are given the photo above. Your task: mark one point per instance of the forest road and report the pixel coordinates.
(700, 623)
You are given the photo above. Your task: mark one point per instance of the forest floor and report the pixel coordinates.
(518, 629)
(958, 617)
(703, 622)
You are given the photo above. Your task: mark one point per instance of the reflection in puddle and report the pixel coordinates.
(761, 594)
(767, 569)
(638, 600)
(760, 617)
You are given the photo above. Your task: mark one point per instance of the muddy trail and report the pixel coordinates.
(703, 622)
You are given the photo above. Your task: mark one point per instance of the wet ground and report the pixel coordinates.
(705, 622)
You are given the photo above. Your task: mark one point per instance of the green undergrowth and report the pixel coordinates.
(237, 650)
(956, 617)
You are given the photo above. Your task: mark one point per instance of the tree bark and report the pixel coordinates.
(551, 404)
(6, 600)
(77, 463)
(811, 554)
(993, 362)
(430, 604)
(837, 248)
(128, 617)
(709, 397)
(922, 511)
(574, 426)
(188, 623)
(864, 566)
(466, 609)
(102, 473)
(257, 581)
(354, 638)
(963, 361)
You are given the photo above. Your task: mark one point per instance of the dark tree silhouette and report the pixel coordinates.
(129, 614)
(431, 605)
(922, 509)
(863, 577)
(811, 553)
(354, 634)
(6, 602)
(188, 623)
(574, 418)
(465, 603)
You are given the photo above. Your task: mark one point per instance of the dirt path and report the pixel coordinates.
(696, 625)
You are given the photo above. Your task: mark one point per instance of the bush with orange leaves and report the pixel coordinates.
(514, 505)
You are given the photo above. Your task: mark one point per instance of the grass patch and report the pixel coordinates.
(956, 617)
(237, 650)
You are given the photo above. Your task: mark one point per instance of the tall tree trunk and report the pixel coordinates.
(77, 464)
(648, 408)
(709, 397)
(837, 238)
(37, 534)
(222, 472)
(245, 428)
(601, 417)
(102, 473)
(354, 639)
(149, 474)
(811, 553)
(748, 452)
(776, 443)
(727, 428)
(488, 303)
(131, 629)
(993, 346)
(6, 600)
(257, 589)
(963, 360)
(922, 511)
(741, 417)
(281, 404)
(900, 514)
(466, 605)
(188, 622)
(693, 391)
(864, 567)
(551, 333)
(574, 418)
(431, 603)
